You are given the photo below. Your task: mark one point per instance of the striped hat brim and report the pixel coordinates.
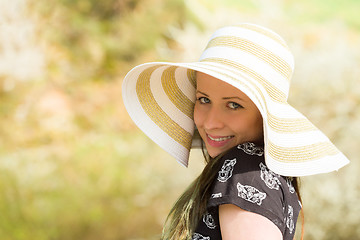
(160, 98)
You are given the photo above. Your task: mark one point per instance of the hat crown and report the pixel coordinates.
(254, 51)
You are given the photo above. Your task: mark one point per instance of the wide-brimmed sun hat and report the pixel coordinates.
(160, 98)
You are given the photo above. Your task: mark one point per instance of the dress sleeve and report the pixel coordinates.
(245, 181)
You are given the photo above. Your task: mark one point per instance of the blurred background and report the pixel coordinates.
(74, 166)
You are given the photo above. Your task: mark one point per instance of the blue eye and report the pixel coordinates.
(234, 105)
(203, 100)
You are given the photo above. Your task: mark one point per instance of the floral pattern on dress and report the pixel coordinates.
(226, 170)
(290, 219)
(198, 236)
(270, 178)
(251, 149)
(250, 194)
(216, 195)
(209, 221)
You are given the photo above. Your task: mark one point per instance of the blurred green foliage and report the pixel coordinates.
(73, 165)
(109, 34)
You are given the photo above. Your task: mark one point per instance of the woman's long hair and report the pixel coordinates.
(190, 207)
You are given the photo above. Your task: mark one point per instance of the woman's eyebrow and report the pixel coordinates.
(197, 91)
(229, 98)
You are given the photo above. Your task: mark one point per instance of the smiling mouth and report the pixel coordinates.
(219, 139)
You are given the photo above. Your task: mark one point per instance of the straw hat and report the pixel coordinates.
(160, 98)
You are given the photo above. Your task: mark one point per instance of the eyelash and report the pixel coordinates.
(205, 100)
(238, 106)
(202, 99)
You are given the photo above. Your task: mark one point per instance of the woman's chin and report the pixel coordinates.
(213, 153)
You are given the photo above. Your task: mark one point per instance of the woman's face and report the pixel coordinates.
(224, 115)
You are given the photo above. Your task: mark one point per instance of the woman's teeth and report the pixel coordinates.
(219, 139)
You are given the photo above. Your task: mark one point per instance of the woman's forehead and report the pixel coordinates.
(209, 84)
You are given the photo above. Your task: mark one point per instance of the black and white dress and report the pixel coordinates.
(245, 181)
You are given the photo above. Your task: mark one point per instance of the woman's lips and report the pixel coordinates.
(218, 141)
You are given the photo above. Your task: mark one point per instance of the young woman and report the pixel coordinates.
(255, 144)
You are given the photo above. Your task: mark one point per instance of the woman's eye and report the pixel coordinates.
(203, 100)
(234, 105)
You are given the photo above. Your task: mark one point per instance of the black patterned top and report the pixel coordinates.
(245, 181)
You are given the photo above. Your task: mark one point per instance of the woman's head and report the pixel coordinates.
(224, 115)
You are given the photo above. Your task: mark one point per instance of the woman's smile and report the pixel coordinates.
(218, 141)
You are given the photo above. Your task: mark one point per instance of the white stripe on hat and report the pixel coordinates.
(298, 139)
(298, 169)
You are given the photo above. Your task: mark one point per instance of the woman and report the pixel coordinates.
(255, 143)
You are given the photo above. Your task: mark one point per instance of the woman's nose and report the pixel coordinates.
(213, 119)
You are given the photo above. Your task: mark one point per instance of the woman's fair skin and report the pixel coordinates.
(226, 117)
(238, 224)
